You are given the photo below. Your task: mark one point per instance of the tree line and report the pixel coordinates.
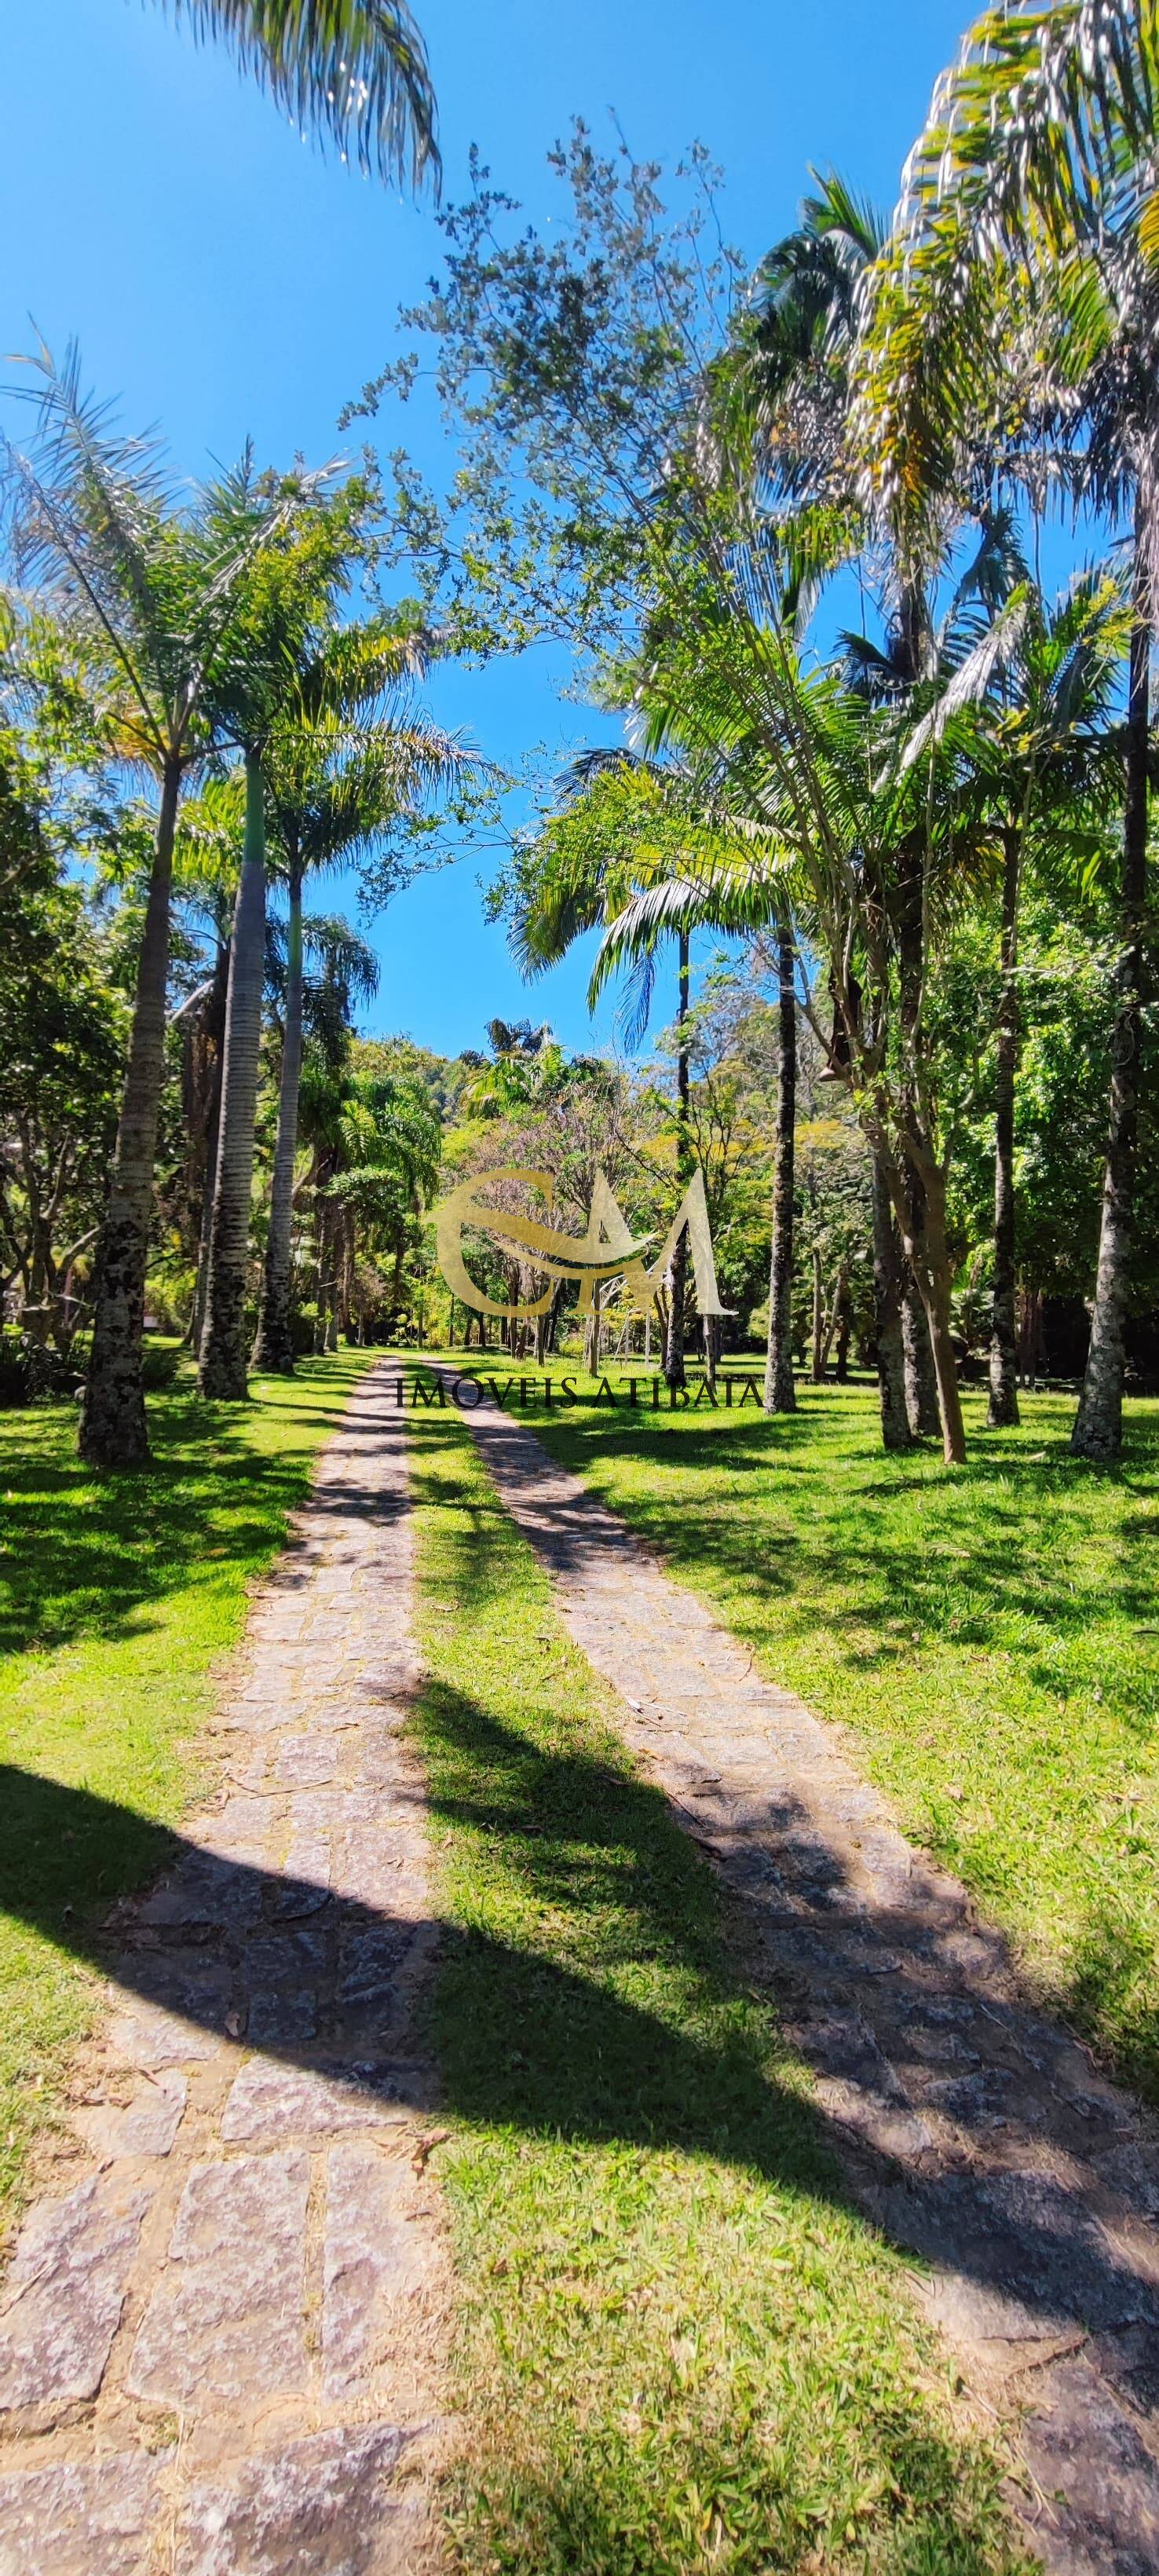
(793, 525)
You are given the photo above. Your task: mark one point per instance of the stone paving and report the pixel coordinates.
(219, 2347)
(975, 2130)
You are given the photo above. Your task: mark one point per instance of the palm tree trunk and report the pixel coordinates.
(223, 1346)
(1003, 1407)
(1098, 1430)
(274, 1346)
(113, 1431)
(887, 1294)
(678, 1267)
(780, 1395)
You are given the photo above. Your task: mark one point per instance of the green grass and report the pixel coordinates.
(990, 1634)
(679, 2349)
(120, 1596)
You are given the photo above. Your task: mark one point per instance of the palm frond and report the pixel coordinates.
(354, 72)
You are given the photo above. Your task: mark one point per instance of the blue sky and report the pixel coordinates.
(225, 280)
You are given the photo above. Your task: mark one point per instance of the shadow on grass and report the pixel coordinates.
(89, 1556)
(526, 2042)
(884, 1540)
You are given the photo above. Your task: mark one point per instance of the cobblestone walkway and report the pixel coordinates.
(976, 2132)
(216, 2347)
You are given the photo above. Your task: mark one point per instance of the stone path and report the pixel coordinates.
(976, 2131)
(219, 2347)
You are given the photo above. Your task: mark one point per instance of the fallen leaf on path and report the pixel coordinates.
(425, 2148)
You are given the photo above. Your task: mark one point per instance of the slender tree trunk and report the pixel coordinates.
(274, 1346)
(346, 1276)
(711, 1350)
(816, 1363)
(223, 1346)
(1098, 1430)
(592, 1333)
(112, 1425)
(324, 1296)
(929, 1259)
(1003, 1408)
(921, 1385)
(780, 1394)
(920, 1181)
(213, 1028)
(887, 1293)
(837, 1305)
(678, 1267)
(841, 1364)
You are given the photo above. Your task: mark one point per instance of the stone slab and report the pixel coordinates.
(226, 2320)
(270, 2101)
(319, 2507)
(372, 2260)
(146, 2126)
(65, 2291)
(81, 2517)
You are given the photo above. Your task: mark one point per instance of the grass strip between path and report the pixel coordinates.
(679, 2348)
(120, 1597)
(989, 1633)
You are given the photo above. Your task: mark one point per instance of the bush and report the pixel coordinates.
(29, 1372)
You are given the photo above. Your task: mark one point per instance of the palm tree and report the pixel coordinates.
(1020, 296)
(252, 689)
(1028, 694)
(343, 770)
(788, 386)
(156, 596)
(789, 393)
(355, 71)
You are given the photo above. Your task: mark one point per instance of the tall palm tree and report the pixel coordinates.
(353, 71)
(789, 387)
(789, 391)
(156, 594)
(257, 694)
(1020, 295)
(1028, 693)
(352, 766)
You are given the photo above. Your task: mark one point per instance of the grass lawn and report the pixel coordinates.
(679, 2349)
(990, 1634)
(119, 1597)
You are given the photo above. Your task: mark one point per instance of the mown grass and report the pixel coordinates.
(679, 2349)
(989, 1633)
(120, 1595)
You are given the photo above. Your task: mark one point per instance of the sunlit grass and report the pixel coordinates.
(990, 1634)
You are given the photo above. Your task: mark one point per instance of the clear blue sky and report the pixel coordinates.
(225, 280)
